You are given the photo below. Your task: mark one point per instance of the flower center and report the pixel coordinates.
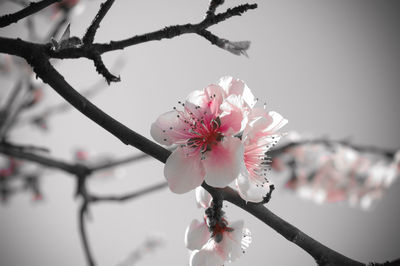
(207, 135)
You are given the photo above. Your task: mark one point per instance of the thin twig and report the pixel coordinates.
(83, 234)
(91, 31)
(6, 110)
(115, 163)
(213, 6)
(27, 11)
(280, 149)
(129, 196)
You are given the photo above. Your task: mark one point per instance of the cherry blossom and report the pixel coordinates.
(258, 137)
(205, 133)
(214, 240)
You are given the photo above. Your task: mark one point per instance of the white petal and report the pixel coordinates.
(246, 239)
(223, 163)
(277, 122)
(231, 245)
(196, 235)
(205, 257)
(161, 129)
(183, 173)
(237, 87)
(248, 189)
(203, 198)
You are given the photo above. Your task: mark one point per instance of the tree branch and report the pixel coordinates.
(27, 11)
(165, 33)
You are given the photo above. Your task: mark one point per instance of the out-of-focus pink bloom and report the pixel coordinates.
(205, 134)
(8, 166)
(214, 241)
(66, 6)
(260, 134)
(335, 173)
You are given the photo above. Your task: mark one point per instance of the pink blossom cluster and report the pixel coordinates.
(326, 173)
(220, 138)
(213, 240)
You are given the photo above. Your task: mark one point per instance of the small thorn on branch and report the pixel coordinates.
(91, 31)
(102, 69)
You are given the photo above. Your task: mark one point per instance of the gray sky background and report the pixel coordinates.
(330, 67)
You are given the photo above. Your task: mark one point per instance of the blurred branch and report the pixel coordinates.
(27, 11)
(83, 233)
(6, 110)
(329, 143)
(129, 196)
(17, 152)
(88, 92)
(119, 162)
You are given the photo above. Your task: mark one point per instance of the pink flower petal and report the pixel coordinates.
(196, 235)
(206, 102)
(223, 163)
(182, 172)
(233, 114)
